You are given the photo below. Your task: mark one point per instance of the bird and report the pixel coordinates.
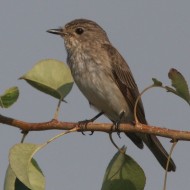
(105, 79)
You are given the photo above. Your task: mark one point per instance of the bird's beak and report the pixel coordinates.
(58, 31)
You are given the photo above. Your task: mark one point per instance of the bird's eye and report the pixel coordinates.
(79, 31)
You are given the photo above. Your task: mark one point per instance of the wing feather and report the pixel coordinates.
(124, 79)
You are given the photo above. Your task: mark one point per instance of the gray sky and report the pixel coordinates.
(153, 36)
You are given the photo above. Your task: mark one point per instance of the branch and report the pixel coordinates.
(101, 127)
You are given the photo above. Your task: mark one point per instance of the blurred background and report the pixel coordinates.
(153, 36)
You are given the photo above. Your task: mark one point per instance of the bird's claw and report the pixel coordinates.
(82, 125)
(118, 133)
(92, 132)
(116, 124)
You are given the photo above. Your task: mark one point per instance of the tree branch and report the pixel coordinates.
(101, 127)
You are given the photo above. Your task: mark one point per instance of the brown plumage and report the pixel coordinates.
(106, 80)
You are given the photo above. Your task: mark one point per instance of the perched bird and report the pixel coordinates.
(105, 79)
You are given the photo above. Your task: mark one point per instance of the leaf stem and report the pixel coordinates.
(61, 134)
(112, 141)
(137, 100)
(167, 165)
(58, 108)
(24, 135)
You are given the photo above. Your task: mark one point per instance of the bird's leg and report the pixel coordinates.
(84, 123)
(117, 123)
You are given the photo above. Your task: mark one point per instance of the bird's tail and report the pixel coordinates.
(159, 152)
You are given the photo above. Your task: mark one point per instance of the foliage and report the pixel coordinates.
(54, 78)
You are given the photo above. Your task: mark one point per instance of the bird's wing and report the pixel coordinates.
(123, 77)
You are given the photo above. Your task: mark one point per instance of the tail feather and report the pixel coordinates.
(155, 147)
(159, 152)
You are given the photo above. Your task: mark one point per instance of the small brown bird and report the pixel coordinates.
(105, 79)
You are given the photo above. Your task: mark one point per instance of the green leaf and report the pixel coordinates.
(25, 167)
(51, 77)
(10, 178)
(20, 186)
(180, 85)
(36, 177)
(156, 82)
(13, 183)
(9, 97)
(123, 173)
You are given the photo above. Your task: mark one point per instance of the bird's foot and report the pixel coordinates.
(82, 125)
(117, 123)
